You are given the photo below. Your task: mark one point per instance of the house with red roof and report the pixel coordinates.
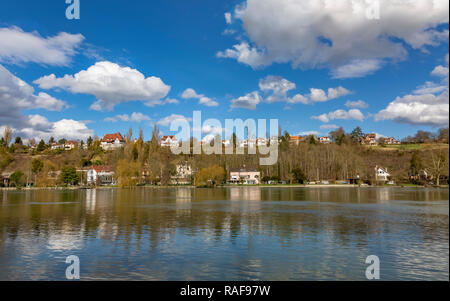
(168, 141)
(100, 175)
(112, 141)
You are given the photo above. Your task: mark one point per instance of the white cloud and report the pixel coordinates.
(329, 127)
(190, 93)
(440, 71)
(357, 104)
(243, 53)
(298, 98)
(319, 95)
(356, 68)
(277, 86)
(139, 117)
(426, 109)
(339, 35)
(43, 100)
(202, 99)
(135, 117)
(41, 128)
(308, 133)
(16, 95)
(248, 101)
(427, 105)
(212, 130)
(228, 19)
(17, 46)
(171, 101)
(111, 84)
(430, 88)
(167, 120)
(354, 114)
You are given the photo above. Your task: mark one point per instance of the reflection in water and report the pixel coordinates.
(236, 233)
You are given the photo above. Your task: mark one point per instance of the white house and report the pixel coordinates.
(381, 174)
(103, 175)
(325, 140)
(168, 141)
(69, 145)
(248, 176)
(56, 146)
(183, 174)
(261, 142)
(112, 141)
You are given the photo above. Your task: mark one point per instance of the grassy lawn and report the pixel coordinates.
(410, 146)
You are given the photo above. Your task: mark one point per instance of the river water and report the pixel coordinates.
(236, 233)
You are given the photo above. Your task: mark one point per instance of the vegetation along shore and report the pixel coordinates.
(124, 161)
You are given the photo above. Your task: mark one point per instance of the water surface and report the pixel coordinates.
(237, 233)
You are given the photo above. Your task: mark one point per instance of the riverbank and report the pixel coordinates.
(224, 186)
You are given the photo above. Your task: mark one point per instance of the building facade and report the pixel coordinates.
(112, 141)
(247, 176)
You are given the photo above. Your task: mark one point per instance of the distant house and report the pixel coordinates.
(295, 139)
(56, 146)
(422, 175)
(370, 139)
(391, 140)
(381, 174)
(226, 142)
(183, 174)
(69, 145)
(5, 178)
(112, 141)
(325, 140)
(248, 176)
(168, 141)
(261, 142)
(102, 175)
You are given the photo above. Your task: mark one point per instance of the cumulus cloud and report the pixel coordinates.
(345, 36)
(40, 128)
(135, 117)
(246, 54)
(16, 95)
(426, 109)
(357, 104)
(356, 68)
(430, 88)
(169, 119)
(111, 84)
(248, 101)
(319, 95)
(202, 99)
(276, 89)
(17, 46)
(329, 126)
(308, 133)
(353, 114)
(427, 105)
(171, 101)
(277, 86)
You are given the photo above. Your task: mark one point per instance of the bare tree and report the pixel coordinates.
(438, 163)
(7, 135)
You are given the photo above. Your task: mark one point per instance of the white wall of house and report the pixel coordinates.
(248, 177)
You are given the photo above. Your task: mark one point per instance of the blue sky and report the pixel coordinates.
(184, 44)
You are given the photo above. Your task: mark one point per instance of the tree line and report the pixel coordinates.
(142, 162)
